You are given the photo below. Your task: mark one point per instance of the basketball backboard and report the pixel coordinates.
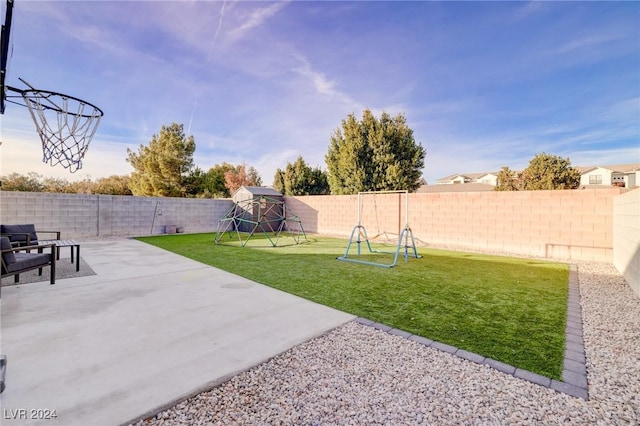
(6, 14)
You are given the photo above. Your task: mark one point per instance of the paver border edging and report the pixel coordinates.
(574, 374)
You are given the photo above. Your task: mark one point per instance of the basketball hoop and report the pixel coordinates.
(66, 125)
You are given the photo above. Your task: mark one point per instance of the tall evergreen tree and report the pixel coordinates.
(374, 155)
(318, 183)
(300, 179)
(161, 167)
(278, 181)
(198, 184)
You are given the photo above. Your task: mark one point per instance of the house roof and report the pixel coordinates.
(467, 187)
(488, 174)
(259, 190)
(618, 168)
(467, 175)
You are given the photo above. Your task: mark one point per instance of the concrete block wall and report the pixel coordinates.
(575, 224)
(72, 214)
(325, 214)
(83, 216)
(626, 237)
(555, 224)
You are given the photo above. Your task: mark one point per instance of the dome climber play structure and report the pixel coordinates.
(259, 212)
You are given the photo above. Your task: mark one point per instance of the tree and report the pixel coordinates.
(507, 180)
(113, 185)
(278, 181)
(200, 184)
(374, 155)
(300, 179)
(32, 182)
(296, 176)
(547, 171)
(254, 176)
(161, 167)
(196, 184)
(58, 185)
(241, 176)
(318, 182)
(84, 186)
(218, 184)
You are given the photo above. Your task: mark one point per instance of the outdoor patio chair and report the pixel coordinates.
(3, 369)
(24, 234)
(15, 261)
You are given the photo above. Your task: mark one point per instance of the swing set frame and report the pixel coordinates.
(406, 242)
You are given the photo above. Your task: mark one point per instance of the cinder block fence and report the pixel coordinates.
(626, 237)
(83, 216)
(601, 225)
(574, 224)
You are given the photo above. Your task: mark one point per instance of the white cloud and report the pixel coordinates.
(530, 8)
(605, 158)
(256, 18)
(586, 42)
(321, 84)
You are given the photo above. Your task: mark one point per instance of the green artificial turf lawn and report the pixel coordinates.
(510, 309)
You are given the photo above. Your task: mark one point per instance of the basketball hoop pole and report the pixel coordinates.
(6, 30)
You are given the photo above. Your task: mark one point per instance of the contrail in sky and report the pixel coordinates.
(211, 45)
(215, 36)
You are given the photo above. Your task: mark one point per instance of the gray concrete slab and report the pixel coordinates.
(150, 328)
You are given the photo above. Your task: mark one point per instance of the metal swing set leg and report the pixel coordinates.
(406, 243)
(403, 242)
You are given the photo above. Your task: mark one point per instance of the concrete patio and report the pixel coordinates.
(151, 328)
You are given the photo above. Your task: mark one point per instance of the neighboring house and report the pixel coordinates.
(623, 175)
(467, 187)
(466, 182)
(487, 178)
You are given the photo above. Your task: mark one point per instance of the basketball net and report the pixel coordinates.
(65, 124)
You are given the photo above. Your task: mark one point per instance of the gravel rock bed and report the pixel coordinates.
(359, 375)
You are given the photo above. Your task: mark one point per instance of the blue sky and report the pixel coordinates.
(482, 84)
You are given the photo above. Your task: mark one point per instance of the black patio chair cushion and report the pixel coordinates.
(19, 233)
(29, 261)
(8, 257)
